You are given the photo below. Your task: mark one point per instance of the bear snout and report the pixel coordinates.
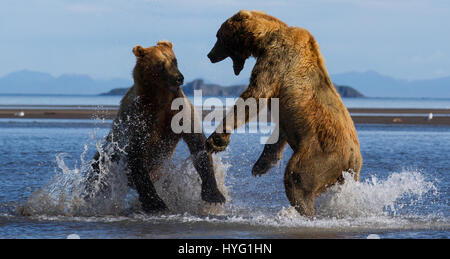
(211, 57)
(180, 79)
(215, 58)
(217, 54)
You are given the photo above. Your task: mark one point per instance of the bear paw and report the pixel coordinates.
(217, 142)
(212, 195)
(260, 169)
(154, 206)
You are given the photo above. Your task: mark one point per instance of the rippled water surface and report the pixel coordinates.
(403, 192)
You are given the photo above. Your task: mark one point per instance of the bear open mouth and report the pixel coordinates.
(238, 65)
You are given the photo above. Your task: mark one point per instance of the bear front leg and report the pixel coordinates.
(261, 86)
(140, 179)
(203, 163)
(270, 156)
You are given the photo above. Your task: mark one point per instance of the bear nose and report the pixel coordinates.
(211, 57)
(180, 79)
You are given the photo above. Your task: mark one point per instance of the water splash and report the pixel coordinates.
(373, 197)
(339, 210)
(74, 192)
(67, 193)
(180, 188)
(371, 204)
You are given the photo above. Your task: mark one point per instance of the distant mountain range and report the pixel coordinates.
(198, 84)
(32, 82)
(371, 84)
(228, 91)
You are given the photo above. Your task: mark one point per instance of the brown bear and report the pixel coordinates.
(312, 118)
(142, 129)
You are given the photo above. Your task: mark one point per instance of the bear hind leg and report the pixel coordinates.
(299, 198)
(304, 181)
(150, 201)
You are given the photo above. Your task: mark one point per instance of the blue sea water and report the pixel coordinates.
(403, 192)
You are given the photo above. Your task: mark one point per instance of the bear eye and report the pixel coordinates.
(162, 66)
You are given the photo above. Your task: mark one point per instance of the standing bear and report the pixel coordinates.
(312, 118)
(142, 131)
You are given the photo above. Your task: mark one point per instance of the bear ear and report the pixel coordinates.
(165, 43)
(242, 14)
(138, 51)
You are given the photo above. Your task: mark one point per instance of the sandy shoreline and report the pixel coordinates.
(359, 115)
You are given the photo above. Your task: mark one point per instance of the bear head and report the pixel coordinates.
(240, 36)
(157, 66)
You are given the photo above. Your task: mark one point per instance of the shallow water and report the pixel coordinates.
(403, 192)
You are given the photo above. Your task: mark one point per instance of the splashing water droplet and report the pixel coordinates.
(372, 197)
(74, 192)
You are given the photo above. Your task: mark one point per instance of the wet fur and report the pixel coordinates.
(313, 120)
(142, 129)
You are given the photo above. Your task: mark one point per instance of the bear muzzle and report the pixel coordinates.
(217, 54)
(176, 83)
(179, 80)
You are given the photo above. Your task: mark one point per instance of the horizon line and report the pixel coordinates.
(207, 80)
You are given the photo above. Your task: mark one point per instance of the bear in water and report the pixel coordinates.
(142, 133)
(313, 120)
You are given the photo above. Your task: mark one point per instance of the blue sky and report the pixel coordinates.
(407, 39)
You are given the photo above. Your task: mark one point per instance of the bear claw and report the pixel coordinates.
(217, 143)
(213, 196)
(259, 170)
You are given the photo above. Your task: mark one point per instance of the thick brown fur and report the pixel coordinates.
(142, 129)
(313, 120)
